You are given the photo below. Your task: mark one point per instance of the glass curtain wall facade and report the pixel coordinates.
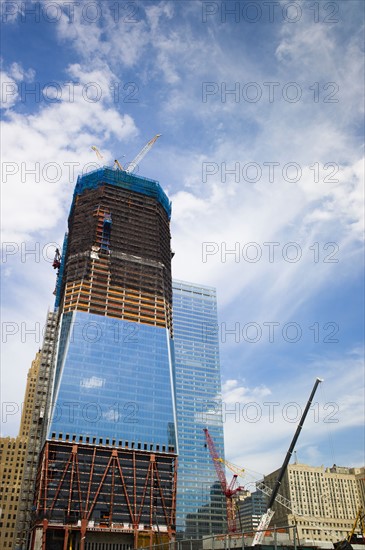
(114, 383)
(200, 507)
(109, 460)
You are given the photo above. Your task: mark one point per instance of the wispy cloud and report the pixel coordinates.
(259, 423)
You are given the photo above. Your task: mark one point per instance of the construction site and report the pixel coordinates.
(99, 479)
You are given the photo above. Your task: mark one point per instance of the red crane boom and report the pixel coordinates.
(229, 490)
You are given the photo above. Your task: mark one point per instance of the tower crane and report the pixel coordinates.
(57, 259)
(132, 165)
(229, 489)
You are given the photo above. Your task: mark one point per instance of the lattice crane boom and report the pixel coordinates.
(233, 467)
(229, 490)
(217, 464)
(279, 498)
(132, 165)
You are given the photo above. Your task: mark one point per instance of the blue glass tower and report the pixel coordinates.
(108, 465)
(200, 503)
(114, 372)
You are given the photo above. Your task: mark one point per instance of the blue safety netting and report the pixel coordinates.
(60, 272)
(123, 179)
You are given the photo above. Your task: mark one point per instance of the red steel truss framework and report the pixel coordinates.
(229, 490)
(85, 488)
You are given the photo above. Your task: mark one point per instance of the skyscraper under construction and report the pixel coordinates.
(107, 471)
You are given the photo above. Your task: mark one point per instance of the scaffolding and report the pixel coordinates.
(37, 431)
(118, 260)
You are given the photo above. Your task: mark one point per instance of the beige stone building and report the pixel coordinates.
(12, 459)
(323, 502)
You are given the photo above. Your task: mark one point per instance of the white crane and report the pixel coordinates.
(279, 498)
(132, 165)
(267, 516)
(287, 504)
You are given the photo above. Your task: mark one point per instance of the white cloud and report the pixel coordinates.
(88, 38)
(93, 382)
(324, 205)
(19, 73)
(259, 423)
(9, 91)
(10, 80)
(55, 144)
(233, 392)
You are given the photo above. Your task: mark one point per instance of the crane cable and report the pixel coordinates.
(329, 429)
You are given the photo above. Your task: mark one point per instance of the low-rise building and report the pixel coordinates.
(324, 501)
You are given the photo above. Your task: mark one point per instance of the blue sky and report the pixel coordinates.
(261, 153)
